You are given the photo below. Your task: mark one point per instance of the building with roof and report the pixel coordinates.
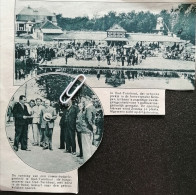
(46, 31)
(116, 35)
(82, 36)
(28, 16)
(153, 37)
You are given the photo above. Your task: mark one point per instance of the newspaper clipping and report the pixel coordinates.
(51, 137)
(130, 53)
(133, 101)
(41, 182)
(115, 44)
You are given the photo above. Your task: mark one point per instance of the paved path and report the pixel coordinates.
(55, 161)
(150, 63)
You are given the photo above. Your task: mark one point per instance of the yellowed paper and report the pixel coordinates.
(13, 168)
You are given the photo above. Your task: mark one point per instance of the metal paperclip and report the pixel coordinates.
(66, 91)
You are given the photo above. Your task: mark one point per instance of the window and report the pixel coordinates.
(110, 34)
(21, 27)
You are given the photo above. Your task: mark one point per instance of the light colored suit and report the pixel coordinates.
(48, 126)
(37, 134)
(50, 123)
(36, 113)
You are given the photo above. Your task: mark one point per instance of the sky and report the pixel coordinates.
(73, 9)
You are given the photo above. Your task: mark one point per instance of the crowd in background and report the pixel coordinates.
(91, 51)
(178, 51)
(28, 58)
(87, 51)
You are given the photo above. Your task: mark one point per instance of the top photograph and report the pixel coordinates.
(114, 44)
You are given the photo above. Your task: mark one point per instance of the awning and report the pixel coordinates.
(55, 31)
(146, 37)
(82, 35)
(21, 22)
(116, 39)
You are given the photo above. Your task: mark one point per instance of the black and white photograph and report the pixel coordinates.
(47, 135)
(121, 45)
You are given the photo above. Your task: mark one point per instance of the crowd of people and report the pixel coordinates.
(83, 118)
(29, 57)
(119, 54)
(178, 51)
(86, 51)
(133, 55)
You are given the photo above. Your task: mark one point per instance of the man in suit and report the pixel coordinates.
(21, 115)
(70, 127)
(108, 57)
(66, 140)
(47, 117)
(37, 133)
(62, 128)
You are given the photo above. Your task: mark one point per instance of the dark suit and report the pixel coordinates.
(62, 130)
(21, 126)
(70, 116)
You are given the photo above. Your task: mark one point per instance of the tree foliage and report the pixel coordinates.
(53, 85)
(180, 21)
(132, 22)
(184, 25)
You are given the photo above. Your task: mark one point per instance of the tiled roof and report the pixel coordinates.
(38, 11)
(49, 25)
(116, 28)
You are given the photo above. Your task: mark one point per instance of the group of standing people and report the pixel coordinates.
(31, 55)
(81, 119)
(117, 54)
(33, 117)
(36, 53)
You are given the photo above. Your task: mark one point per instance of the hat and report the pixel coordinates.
(47, 117)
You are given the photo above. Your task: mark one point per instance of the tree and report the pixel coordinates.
(166, 15)
(184, 26)
(180, 21)
(53, 85)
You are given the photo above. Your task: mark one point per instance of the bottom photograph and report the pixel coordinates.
(47, 135)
